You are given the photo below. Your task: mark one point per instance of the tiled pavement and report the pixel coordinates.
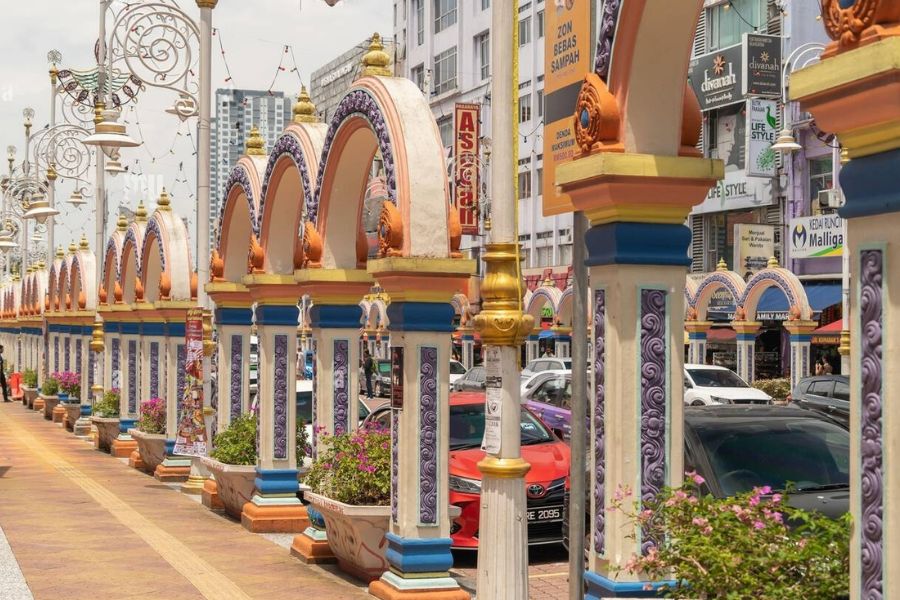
(83, 525)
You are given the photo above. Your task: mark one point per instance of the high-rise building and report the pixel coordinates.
(236, 113)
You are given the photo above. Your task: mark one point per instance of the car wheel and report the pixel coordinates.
(697, 403)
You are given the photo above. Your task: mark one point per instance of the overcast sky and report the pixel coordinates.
(253, 33)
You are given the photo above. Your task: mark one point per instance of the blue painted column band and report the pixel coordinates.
(638, 244)
(416, 555)
(174, 330)
(337, 316)
(234, 316)
(156, 329)
(599, 587)
(869, 184)
(129, 328)
(277, 315)
(276, 482)
(421, 316)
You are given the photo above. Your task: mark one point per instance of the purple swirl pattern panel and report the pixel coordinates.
(428, 433)
(606, 38)
(115, 365)
(341, 386)
(315, 393)
(92, 364)
(395, 462)
(871, 442)
(79, 355)
(653, 398)
(132, 377)
(599, 421)
(179, 378)
(281, 396)
(67, 354)
(56, 353)
(237, 374)
(154, 369)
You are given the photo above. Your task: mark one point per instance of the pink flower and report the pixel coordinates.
(707, 530)
(695, 477)
(754, 500)
(776, 498)
(759, 525)
(700, 521)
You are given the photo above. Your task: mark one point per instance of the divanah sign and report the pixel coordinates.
(816, 237)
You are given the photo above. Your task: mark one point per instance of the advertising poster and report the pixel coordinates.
(466, 181)
(762, 65)
(493, 391)
(568, 52)
(762, 128)
(191, 437)
(753, 246)
(817, 237)
(716, 78)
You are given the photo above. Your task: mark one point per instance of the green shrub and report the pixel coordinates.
(237, 444)
(50, 386)
(108, 406)
(354, 468)
(29, 378)
(303, 449)
(153, 416)
(777, 388)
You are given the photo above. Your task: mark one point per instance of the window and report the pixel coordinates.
(483, 52)
(540, 104)
(524, 108)
(445, 71)
(729, 21)
(821, 388)
(418, 76)
(544, 256)
(565, 254)
(420, 22)
(540, 180)
(525, 31)
(525, 184)
(444, 14)
(540, 24)
(445, 126)
(820, 177)
(841, 390)
(485, 4)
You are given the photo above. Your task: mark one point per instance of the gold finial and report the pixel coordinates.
(304, 110)
(15, 276)
(54, 72)
(99, 107)
(121, 223)
(773, 263)
(83, 244)
(60, 253)
(722, 265)
(97, 344)
(845, 155)
(51, 172)
(376, 60)
(41, 265)
(255, 145)
(140, 215)
(72, 248)
(164, 200)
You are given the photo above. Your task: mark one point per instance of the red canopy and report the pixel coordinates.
(833, 328)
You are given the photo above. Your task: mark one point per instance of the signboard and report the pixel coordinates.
(568, 45)
(736, 191)
(762, 126)
(817, 237)
(466, 183)
(191, 436)
(717, 78)
(397, 378)
(761, 71)
(753, 246)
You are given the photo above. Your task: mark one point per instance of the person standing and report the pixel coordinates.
(3, 375)
(368, 370)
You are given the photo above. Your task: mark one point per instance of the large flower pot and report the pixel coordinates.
(50, 403)
(73, 412)
(235, 484)
(152, 447)
(30, 395)
(107, 431)
(355, 535)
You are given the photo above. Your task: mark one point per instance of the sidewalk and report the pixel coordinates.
(83, 525)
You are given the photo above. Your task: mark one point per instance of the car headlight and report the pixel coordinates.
(464, 485)
(720, 400)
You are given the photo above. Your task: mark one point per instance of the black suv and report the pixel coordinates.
(826, 394)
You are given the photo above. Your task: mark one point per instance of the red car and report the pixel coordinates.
(546, 483)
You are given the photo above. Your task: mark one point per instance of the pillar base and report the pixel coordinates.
(312, 547)
(258, 516)
(135, 461)
(122, 448)
(193, 485)
(599, 587)
(82, 428)
(58, 414)
(173, 470)
(209, 497)
(38, 404)
(419, 569)
(393, 587)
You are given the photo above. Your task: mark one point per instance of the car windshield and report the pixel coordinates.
(457, 368)
(567, 364)
(467, 427)
(744, 453)
(719, 378)
(384, 368)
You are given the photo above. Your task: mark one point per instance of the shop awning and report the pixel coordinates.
(721, 334)
(828, 335)
(833, 328)
(773, 306)
(546, 334)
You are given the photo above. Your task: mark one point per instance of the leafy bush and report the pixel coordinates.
(153, 416)
(354, 468)
(69, 383)
(237, 444)
(50, 386)
(303, 449)
(777, 388)
(29, 378)
(108, 406)
(752, 545)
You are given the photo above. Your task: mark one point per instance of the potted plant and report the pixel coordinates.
(29, 386)
(49, 391)
(350, 486)
(70, 397)
(150, 435)
(106, 419)
(232, 463)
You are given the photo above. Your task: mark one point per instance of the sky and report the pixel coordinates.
(253, 34)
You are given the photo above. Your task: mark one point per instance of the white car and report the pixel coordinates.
(457, 370)
(707, 385)
(547, 363)
(532, 380)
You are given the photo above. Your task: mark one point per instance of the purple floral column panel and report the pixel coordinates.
(653, 397)
(599, 421)
(115, 366)
(341, 386)
(78, 356)
(871, 443)
(179, 378)
(237, 373)
(132, 377)
(56, 353)
(281, 396)
(67, 358)
(428, 433)
(92, 364)
(315, 393)
(154, 369)
(395, 462)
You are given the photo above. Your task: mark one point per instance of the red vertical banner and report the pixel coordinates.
(191, 437)
(466, 180)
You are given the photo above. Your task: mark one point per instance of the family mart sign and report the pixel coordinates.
(817, 237)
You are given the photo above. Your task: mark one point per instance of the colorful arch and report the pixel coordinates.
(783, 279)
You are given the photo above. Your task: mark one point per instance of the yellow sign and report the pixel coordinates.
(567, 58)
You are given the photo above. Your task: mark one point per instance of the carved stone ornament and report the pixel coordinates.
(298, 253)
(256, 256)
(82, 300)
(390, 231)
(68, 301)
(101, 294)
(194, 281)
(362, 247)
(117, 292)
(138, 289)
(596, 116)
(312, 247)
(455, 231)
(845, 25)
(165, 286)
(216, 267)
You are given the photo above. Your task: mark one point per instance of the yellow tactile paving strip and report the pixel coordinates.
(84, 525)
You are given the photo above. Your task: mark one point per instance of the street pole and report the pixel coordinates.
(844, 348)
(51, 179)
(100, 183)
(503, 559)
(203, 150)
(578, 443)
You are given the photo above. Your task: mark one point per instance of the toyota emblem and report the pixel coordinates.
(536, 490)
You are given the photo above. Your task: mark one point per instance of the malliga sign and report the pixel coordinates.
(816, 237)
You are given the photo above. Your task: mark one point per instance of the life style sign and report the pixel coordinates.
(762, 124)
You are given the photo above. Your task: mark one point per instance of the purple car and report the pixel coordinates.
(552, 402)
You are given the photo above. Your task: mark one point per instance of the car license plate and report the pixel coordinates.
(546, 514)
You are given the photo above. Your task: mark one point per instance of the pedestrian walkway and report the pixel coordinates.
(81, 524)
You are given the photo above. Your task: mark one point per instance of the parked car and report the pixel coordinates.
(304, 391)
(457, 370)
(546, 483)
(381, 379)
(705, 385)
(827, 394)
(551, 400)
(547, 363)
(737, 448)
(472, 381)
(530, 380)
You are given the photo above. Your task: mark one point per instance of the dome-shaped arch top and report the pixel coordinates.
(698, 302)
(545, 295)
(166, 267)
(239, 220)
(787, 282)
